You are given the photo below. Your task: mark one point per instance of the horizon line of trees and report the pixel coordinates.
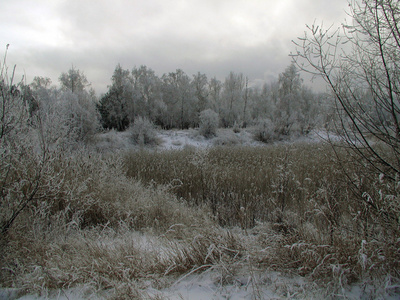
(176, 101)
(73, 113)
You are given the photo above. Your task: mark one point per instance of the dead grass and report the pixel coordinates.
(320, 225)
(52, 243)
(176, 213)
(122, 262)
(242, 185)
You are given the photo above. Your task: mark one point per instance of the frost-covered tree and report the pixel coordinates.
(360, 62)
(73, 80)
(147, 92)
(361, 65)
(312, 110)
(116, 106)
(232, 99)
(201, 91)
(34, 144)
(263, 102)
(178, 95)
(40, 82)
(215, 88)
(287, 107)
(76, 104)
(81, 115)
(66, 118)
(295, 105)
(246, 98)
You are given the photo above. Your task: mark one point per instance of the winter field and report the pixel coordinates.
(184, 186)
(195, 218)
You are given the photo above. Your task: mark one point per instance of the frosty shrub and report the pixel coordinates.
(209, 121)
(143, 132)
(236, 127)
(20, 177)
(110, 141)
(227, 138)
(81, 115)
(67, 120)
(264, 131)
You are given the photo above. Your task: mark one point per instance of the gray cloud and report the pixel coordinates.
(210, 36)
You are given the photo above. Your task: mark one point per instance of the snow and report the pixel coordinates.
(180, 139)
(210, 284)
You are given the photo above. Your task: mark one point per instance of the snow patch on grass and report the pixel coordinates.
(179, 139)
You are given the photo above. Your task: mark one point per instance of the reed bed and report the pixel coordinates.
(322, 223)
(120, 224)
(245, 185)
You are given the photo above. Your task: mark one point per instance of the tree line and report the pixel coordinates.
(176, 100)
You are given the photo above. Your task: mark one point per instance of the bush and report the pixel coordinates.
(23, 155)
(143, 132)
(209, 121)
(264, 131)
(236, 127)
(81, 115)
(227, 138)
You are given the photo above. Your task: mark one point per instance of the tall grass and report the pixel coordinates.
(85, 230)
(320, 225)
(242, 185)
(118, 224)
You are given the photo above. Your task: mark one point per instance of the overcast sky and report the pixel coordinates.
(253, 37)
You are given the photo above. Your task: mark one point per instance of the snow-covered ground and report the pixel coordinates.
(265, 285)
(210, 284)
(180, 139)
